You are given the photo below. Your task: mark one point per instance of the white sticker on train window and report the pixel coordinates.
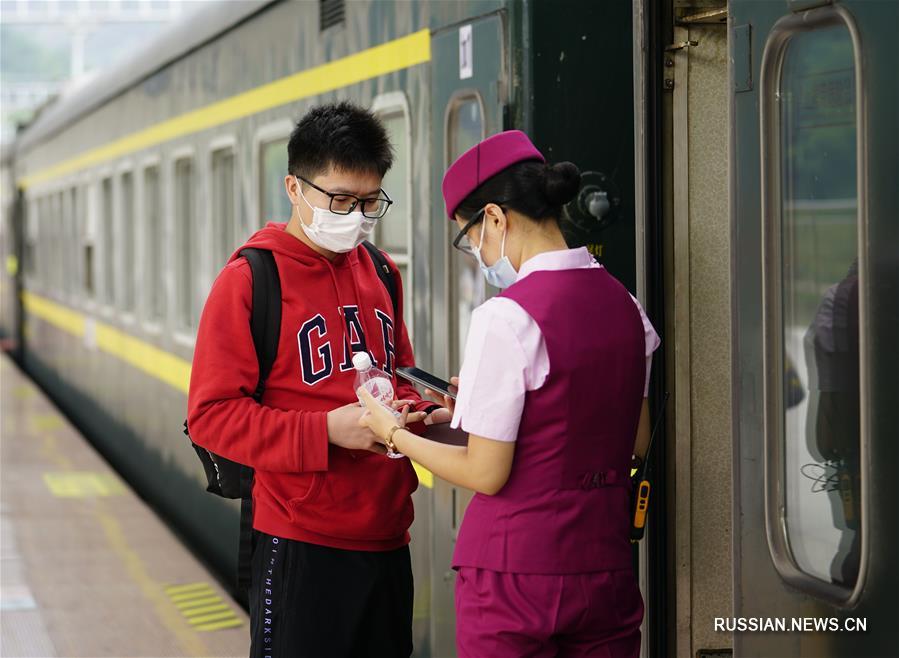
(466, 64)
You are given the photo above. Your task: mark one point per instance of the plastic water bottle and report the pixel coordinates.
(377, 383)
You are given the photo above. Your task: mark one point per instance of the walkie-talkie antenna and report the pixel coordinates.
(652, 436)
(641, 497)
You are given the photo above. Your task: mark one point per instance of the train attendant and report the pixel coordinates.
(551, 393)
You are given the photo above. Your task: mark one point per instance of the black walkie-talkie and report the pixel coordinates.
(641, 484)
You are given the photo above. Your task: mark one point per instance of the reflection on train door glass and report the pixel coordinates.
(274, 200)
(465, 129)
(820, 291)
(393, 230)
(153, 236)
(126, 217)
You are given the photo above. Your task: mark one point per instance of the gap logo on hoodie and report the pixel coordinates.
(317, 352)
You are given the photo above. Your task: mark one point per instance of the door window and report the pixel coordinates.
(468, 289)
(813, 279)
(393, 232)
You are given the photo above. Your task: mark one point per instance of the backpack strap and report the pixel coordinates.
(383, 270)
(265, 325)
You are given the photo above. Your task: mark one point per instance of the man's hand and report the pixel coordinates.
(345, 431)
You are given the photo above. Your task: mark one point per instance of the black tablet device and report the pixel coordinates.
(426, 379)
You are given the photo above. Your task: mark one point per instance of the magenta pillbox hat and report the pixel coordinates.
(483, 161)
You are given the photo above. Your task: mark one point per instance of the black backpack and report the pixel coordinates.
(229, 479)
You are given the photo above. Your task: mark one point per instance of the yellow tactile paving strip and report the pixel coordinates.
(202, 607)
(83, 485)
(88, 569)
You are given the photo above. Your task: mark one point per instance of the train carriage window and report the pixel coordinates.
(812, 280)
(224, 206)
(52, 238)
(393, 231)
(43, 256)
(54, 244)
(468, 290)
(153, 237)
(88, 233)
(71, 242)
(109, 242)
(126, 222)
(63, 249)
(275, 204)
(50, 223)
(40, 257)
(62, 230)
(31, 238)
(186, 243)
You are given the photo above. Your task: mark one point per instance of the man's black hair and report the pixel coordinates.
(339, 135)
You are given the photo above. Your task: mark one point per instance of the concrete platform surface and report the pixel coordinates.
(86, 568)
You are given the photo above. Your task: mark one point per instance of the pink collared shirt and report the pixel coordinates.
(505, 355)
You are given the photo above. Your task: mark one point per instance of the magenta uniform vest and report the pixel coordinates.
(566, 506)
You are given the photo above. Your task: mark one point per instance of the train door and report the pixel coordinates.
(815, 288)
(468, 96)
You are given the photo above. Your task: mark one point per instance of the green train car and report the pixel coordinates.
(736, 161)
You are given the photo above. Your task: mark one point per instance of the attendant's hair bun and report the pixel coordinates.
(561, 182)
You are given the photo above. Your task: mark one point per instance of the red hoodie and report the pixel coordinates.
(305, 488)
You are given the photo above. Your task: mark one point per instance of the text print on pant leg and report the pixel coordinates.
(267, 600)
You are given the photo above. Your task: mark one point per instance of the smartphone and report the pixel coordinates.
(426, 379)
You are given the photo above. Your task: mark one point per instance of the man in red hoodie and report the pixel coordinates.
(331, 573)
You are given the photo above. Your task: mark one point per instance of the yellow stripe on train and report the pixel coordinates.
(380, 60)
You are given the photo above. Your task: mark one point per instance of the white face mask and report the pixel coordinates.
(501, 274)
(334, 232)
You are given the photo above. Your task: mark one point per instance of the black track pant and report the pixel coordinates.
(309, 601)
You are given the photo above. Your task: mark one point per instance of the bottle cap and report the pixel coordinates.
(361, 361)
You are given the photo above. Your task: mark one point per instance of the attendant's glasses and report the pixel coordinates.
(343, 204)
(462, 242)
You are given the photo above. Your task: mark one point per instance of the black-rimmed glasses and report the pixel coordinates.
(462, 242)
(343, 204)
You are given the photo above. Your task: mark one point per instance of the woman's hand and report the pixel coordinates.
(439, 416)
(378, 418)
(414, 416)
(444, 415)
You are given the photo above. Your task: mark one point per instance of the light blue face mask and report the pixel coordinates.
(501, 274)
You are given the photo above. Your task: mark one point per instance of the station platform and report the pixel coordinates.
(87, 568)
